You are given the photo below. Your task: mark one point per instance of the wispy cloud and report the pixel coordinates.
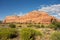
(21, 14)
(59, 14)
(51, 9)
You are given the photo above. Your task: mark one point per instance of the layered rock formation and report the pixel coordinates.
(31, 17)
(58, 20)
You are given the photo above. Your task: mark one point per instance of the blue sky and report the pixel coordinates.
(11, 7)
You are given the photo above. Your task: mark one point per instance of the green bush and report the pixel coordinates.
(58, 25)
(29, 25)
(34, 25)
(29, 33)
(19, 26)
(55, 25)
(12, 25)
(6, 33)
(52, 26)
(37, 25)
(0, 22)
(55, 36)
(42, 26)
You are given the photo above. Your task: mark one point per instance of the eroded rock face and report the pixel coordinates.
(31, 17)
(58, 20)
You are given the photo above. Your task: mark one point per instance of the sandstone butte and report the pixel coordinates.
(31, 17)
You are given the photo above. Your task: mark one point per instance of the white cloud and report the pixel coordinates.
(55, 15)
(21, 14)
(59, 14)
(52, 9)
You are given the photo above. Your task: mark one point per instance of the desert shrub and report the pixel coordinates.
(34, 25)
(55, 25)
(0, 21)
(55, 36)
(19, 26)
(42, 26)
(58, 25)
(52, 26)
(29, 25)
(29, 33)
(12, 25)
(37, 25)
(7, 33)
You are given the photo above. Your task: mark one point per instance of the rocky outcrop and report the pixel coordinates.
(31, 17)
(58, 20)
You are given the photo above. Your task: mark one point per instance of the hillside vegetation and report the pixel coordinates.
(14, 31)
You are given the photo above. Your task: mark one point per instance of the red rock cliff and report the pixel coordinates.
(31, 17)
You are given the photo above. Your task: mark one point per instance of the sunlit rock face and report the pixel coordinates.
(31, 17)
(58, 20)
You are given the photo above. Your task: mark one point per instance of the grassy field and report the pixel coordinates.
(29, 31)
